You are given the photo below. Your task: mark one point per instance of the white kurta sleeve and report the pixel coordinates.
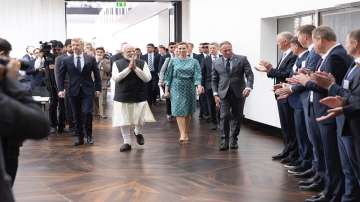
(118, 76)
(143, 74)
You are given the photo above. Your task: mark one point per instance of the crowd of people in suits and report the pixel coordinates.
(316, 86)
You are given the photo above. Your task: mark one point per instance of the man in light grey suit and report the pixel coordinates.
(230, 91)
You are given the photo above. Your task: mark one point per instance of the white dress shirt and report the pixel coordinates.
(82, 60)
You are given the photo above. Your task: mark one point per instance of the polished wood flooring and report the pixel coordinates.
(160, 171)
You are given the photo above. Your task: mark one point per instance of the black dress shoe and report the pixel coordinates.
(292, 165)
(90, 140)
(307, 174)
(319, 199)
(224, 145)
(52, 130)
(213, 126)
(286, 160)
(234, 145)
(316, 187)
(60, 130)
(125, 147)
(309, 181)
(278, 156)
(139, 139)
(78, 143)
(297, 169)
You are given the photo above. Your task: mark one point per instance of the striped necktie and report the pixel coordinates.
(150, 63)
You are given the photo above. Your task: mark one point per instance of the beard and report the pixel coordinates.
(128, 57)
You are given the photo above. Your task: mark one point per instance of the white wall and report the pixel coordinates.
(243, 23)
(26, 22)
(163, 27)
(140, 34)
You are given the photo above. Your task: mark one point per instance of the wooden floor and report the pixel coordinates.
(161, 171)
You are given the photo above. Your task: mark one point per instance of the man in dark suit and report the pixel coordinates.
(279, 74)
(230, 91)
(65, 103)
(303, 163)
(336, 61)
(206, 71)
(347, 136)
(80, 68)
(152, 59)
(29, 54)
(314, 175)
(203, 101)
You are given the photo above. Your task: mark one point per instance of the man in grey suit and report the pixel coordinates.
(230, 91)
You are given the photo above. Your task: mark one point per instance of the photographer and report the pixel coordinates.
(50, 51)
(21, 119)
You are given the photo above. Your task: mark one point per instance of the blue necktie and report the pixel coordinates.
(78, 63)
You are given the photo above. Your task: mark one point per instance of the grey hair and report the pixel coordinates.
(225, 43)
(324, 32)
(286, 35)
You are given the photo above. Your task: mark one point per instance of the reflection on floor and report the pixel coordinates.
(54, 171)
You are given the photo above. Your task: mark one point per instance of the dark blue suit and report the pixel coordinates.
(312, 127)
(304, 145)
(283, 71)
(81, 90)
(153, 89)
(336, 63)
(347, 148)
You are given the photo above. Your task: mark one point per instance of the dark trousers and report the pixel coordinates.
(168, 106)
(82, 106)
(231, 115)
(348, 164)
(315, 139)
(211, 105)
(203, 105)
(69, 112)
(304, 145)
(56, 110)
(153, 88)
(286, 115)
(356, 139)
(11, 152)
(333, 172)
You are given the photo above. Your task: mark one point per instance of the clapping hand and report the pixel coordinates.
(283, 92)
(332, 113)
(323, 79)
(263, 66)
(336, 103)
(333, 102)
(301, 78)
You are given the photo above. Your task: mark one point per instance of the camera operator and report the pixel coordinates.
(50, 51)
(21, 118)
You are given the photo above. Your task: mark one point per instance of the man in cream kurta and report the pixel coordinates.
(130, 100)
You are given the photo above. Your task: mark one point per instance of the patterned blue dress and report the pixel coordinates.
(182, 77)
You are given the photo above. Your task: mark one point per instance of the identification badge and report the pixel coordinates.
(303, 63)
(311, 96)
(346, 84)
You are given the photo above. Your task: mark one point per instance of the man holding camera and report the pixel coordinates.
(80, 67)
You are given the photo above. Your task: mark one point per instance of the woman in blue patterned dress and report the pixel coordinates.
(183, 79)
